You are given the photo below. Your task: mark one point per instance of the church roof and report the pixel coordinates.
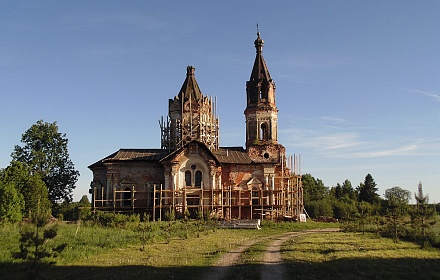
(190, 89)
(235, 155)
(259, 71)
(133, 155)
(228, 155)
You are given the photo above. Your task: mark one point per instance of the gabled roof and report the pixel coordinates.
(133, 155)
(176, 152)
(228, 155)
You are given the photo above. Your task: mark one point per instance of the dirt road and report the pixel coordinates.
(273, 264)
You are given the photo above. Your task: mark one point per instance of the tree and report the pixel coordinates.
(338, 191)
(316, 197)
(11, 203)
(74, 211)
(347, 190)
(422, 216)
(30, 186)
(314, 189)
(398, 198)
(363, 216)
(343, 202)
(368, 191)
(45, 152)
(397, 204)
(35, 247)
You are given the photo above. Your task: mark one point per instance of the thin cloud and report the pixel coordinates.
(435, 96)
(336, 141)
(332, 119)
(328, 143)
(405, 150)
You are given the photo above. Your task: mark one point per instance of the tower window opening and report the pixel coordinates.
(264, 135)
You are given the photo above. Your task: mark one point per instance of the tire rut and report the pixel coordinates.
(273, 264)
(273, 268)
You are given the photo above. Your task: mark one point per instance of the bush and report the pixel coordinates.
(108, 219)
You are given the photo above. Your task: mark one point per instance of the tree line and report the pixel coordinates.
(362, 208)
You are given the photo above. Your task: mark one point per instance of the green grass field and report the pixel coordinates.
(358, 256)
(95, 252)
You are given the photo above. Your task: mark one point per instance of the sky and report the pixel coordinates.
(357, 82)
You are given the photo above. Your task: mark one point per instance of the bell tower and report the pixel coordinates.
(261, 112)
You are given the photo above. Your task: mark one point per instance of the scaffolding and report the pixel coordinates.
(196, 120)
(284, 201)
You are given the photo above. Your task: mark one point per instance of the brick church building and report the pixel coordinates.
(192, 173)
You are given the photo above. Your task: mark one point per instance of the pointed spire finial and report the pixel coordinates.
(258, 42)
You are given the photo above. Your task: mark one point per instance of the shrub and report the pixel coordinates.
(108, 219)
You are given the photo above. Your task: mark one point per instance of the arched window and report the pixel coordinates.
(264, 132)
(198, 178)
(188, 178)
(127, 197)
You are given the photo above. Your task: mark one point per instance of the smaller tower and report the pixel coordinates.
(261, 112)
(191, 116)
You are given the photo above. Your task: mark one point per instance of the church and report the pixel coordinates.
(192, 175)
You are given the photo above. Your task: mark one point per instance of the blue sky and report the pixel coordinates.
(358, 88)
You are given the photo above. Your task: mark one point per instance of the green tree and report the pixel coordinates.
(314, 189)
(338, 191)
(30, 186)
(319, 208)
(35, 247)
(317, 200)
(11, 202)
(45, 152)
(343, 201)
(73, 211)
(422, 216)
(397, 204)
(363, 216)
(344, 209)
(398, 198)
(368, 191)
(348, 191)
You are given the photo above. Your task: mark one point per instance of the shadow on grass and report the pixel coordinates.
(365, 268)
(19, 271)
(361, 268)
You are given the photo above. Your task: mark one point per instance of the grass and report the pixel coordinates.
(95, 248)
(96, 252)
(358, 256)
(249, 264)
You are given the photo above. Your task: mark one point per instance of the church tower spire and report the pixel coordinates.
(191, 116)
(261, 112)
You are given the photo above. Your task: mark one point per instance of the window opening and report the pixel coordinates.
(264, 132)
(188, 178)
(127, 197)
(198, 178)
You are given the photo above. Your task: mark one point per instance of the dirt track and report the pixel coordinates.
(272, 267)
